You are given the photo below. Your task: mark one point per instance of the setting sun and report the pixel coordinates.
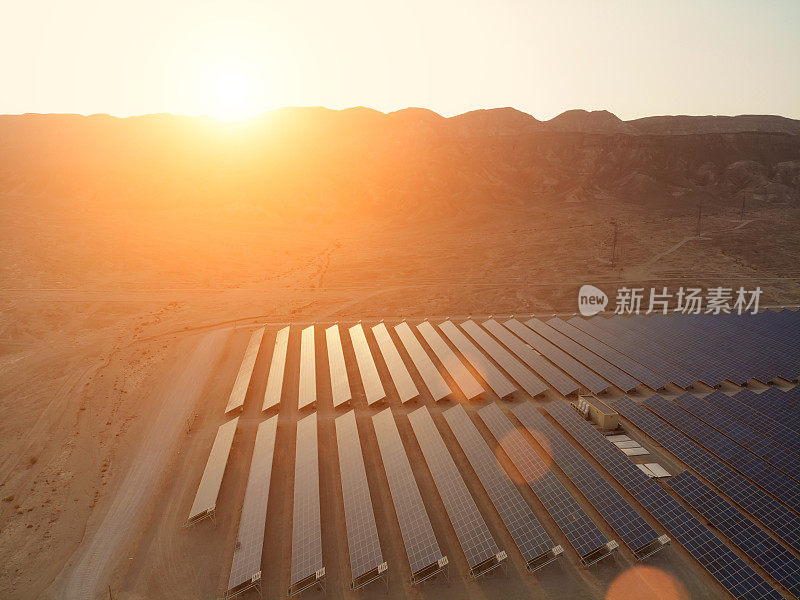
(231, 91)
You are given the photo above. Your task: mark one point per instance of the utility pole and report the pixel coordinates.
(699, 215)
(614, 245)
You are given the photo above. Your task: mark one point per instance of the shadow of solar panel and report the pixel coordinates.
(530, 537)
(584, 536)
(629, 525)
(205, 500)
(422, 550)
(436, 384)
(246, 567)
(272, 395)
(473, 535)
(340, 384)
(553, 376)
(373, 388)
(366, 560)
(765, 475)
(460, 374)
(307, 569)
(597, 364)
(406, 389)
(741, 531)
(307, 393)
(529, 382)
(239, 391)
(776, 517)
(725, 566)
(569, 365)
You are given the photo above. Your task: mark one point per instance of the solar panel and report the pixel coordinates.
(422, 550)
(307, 394)
(530, 537)
(600, 366)
(473, 535)
(373, 388)
(490, 374)
(627, 364)
(629, 525)
(776, 517)
(748, 438)
(366, 560)
(719, 560)
(555, 378)
(397, 368)
(272, 395)
(774, 402)
(741, 531)
(768, 477)
(430, 374)
(460, 374)
(307, 569)
(205, 500)
(239, 391)
(340, 385)
(572, 367)
(529, 382)
(246, 567)
(588, 541)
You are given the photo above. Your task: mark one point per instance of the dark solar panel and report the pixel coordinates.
(773, 402)
(768, 477)
(532, 540)
(745, 535)
(422, 549)
(579, 529)
(366, 560)
(725, 566)
(473, 535)
(548, 372)
(629, 525)
(776, 517)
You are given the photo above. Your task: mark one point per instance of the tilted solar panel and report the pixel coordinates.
(460, 374)
(473, 535)
(405, 386)
(340, 384)
(373, 388)
(205, 500)
(307, 393)
(272, 395)
(430, 374)
(239, 391)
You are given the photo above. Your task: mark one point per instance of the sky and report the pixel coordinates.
(236, 58)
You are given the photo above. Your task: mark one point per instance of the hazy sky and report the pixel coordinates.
(634, 58)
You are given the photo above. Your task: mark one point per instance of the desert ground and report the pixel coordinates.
(122, 329)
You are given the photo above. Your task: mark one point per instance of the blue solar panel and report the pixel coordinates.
(776, 517)
(773, 402)
(768, 477)
(719, 560)
(629, 525)
(745, 535)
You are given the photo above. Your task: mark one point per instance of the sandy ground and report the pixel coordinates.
(111, 355)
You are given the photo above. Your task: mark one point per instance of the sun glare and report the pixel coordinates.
(231, 92)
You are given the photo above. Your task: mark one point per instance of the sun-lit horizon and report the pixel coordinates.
(241, 59)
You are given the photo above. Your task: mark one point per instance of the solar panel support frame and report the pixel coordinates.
(544, 559)
(253, 584)
(375, 574)
(432, 570)
(490, 564)
(316, 579)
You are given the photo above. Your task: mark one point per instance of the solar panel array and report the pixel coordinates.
(581, 532)
(246, 567)
(745, 535)
(340, 384)
(436, 384)
(776, 517)
(239, 391)
(422, 549)
(530, 537)
(405, 386)
(588, 379)
(306, 526)
(460, 374)
(768, 477)
(597, 364)
(629, 525)
(529, 382)
(720, 561)
(307, 394)
(272, 395)
(782, 406)
(373, 388)
(627, 364)
(473, 535)
(362, 533)
(205, 500)
(551, 374)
